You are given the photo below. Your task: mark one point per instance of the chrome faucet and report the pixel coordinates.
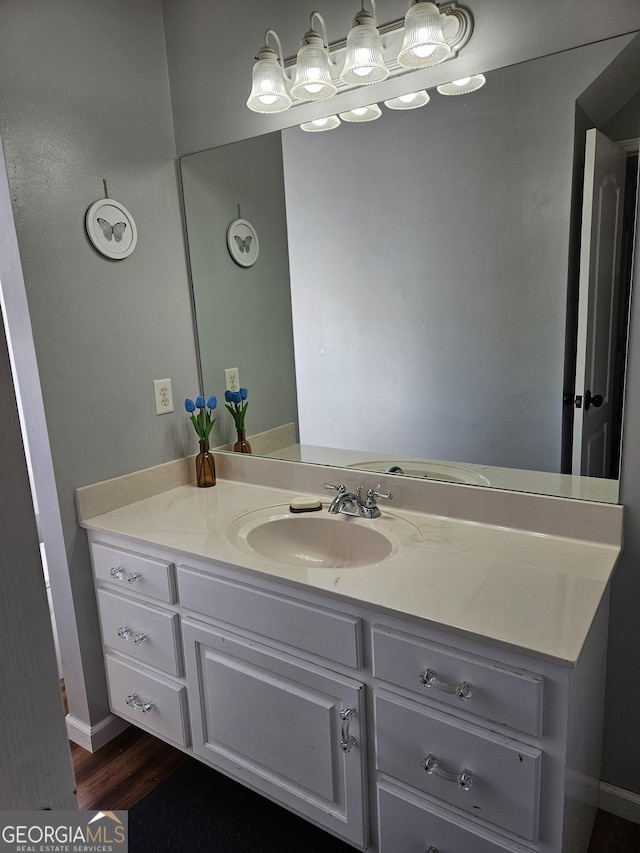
(360, 509)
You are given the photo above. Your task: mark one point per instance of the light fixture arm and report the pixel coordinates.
(280, 55)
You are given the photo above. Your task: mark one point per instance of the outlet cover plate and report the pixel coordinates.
(231, 379)
(163, 395)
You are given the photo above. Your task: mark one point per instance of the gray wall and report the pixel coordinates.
(244, 313)
(84, 96)
(429, 266)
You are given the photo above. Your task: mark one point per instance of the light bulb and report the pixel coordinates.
(423, 50)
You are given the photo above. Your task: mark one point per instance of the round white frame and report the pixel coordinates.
(112, 213)
(237, 234)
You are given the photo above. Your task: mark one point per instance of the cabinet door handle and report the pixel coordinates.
(121, 574)
(431, 765)
(131, 636)
(137, 705)
(347, 741)
(429, 678)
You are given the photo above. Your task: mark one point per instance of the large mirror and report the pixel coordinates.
(420, 300)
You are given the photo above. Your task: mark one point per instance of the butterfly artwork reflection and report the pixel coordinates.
(109, 231)
(243, 245)
(242, 242)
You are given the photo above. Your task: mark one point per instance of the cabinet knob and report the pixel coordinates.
(429, 678)
(347, 741)
(121, 574)
(131, 636)
(134, 702)
(431, 765)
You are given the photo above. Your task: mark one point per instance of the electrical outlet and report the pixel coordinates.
(163, 395)
(231, 379)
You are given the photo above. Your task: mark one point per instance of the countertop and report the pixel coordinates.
(530, 592)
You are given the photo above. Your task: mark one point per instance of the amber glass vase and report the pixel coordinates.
(242, 445)
(205, 467)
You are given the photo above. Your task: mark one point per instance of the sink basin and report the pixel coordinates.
(446, 471)
(317, 540)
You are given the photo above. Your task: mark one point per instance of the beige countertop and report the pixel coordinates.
(533, 592)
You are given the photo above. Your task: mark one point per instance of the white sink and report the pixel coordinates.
(446, 471)
(319, 539)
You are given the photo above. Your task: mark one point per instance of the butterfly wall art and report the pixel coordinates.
(242, 242)
(111, 228)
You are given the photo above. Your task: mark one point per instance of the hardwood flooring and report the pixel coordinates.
(126, 769)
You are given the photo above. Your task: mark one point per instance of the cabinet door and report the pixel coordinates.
(275, 723)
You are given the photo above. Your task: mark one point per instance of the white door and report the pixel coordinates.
(276, 723)
(603, 200)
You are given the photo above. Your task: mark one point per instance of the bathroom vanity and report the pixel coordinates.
(439, 692)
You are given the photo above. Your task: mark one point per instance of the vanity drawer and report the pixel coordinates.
(407, 825)
(168, 716)
(304, 627)
(505, 784)
(142, 631)
(134, 572)
(506, 696)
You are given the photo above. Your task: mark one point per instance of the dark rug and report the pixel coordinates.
(197, 809)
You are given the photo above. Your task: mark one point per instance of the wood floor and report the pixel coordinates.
(126, 769)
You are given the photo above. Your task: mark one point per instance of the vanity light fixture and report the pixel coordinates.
(268, 92)
(427, 35)
(463, 86)
(321, 124)
(359, 114)
(424, 42)
(363, 62)
(313, 65)
(408, 102)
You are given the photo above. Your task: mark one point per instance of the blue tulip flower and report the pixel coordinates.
(236, 403)
(202, 422)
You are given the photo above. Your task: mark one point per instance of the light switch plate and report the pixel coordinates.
(163, 395)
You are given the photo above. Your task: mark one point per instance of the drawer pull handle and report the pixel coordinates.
(130, 635)
(347, 741)
(431, 765)
(134, 702)
(121, 574)
(429, 678)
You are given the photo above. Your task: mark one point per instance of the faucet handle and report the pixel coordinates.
(339, 488)
(372, 495)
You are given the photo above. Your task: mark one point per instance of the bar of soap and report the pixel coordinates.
(305, 504)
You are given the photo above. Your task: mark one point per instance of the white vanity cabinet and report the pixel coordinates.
(390, 733)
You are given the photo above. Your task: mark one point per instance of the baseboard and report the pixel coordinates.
(619, 801)
(92, 738)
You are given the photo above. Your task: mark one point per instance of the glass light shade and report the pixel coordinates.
(424, 42)
(313, 76)
(463, 86)
(320, 124)
(268, 93)
(408, 102)
(363, 62)
(370, 113)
